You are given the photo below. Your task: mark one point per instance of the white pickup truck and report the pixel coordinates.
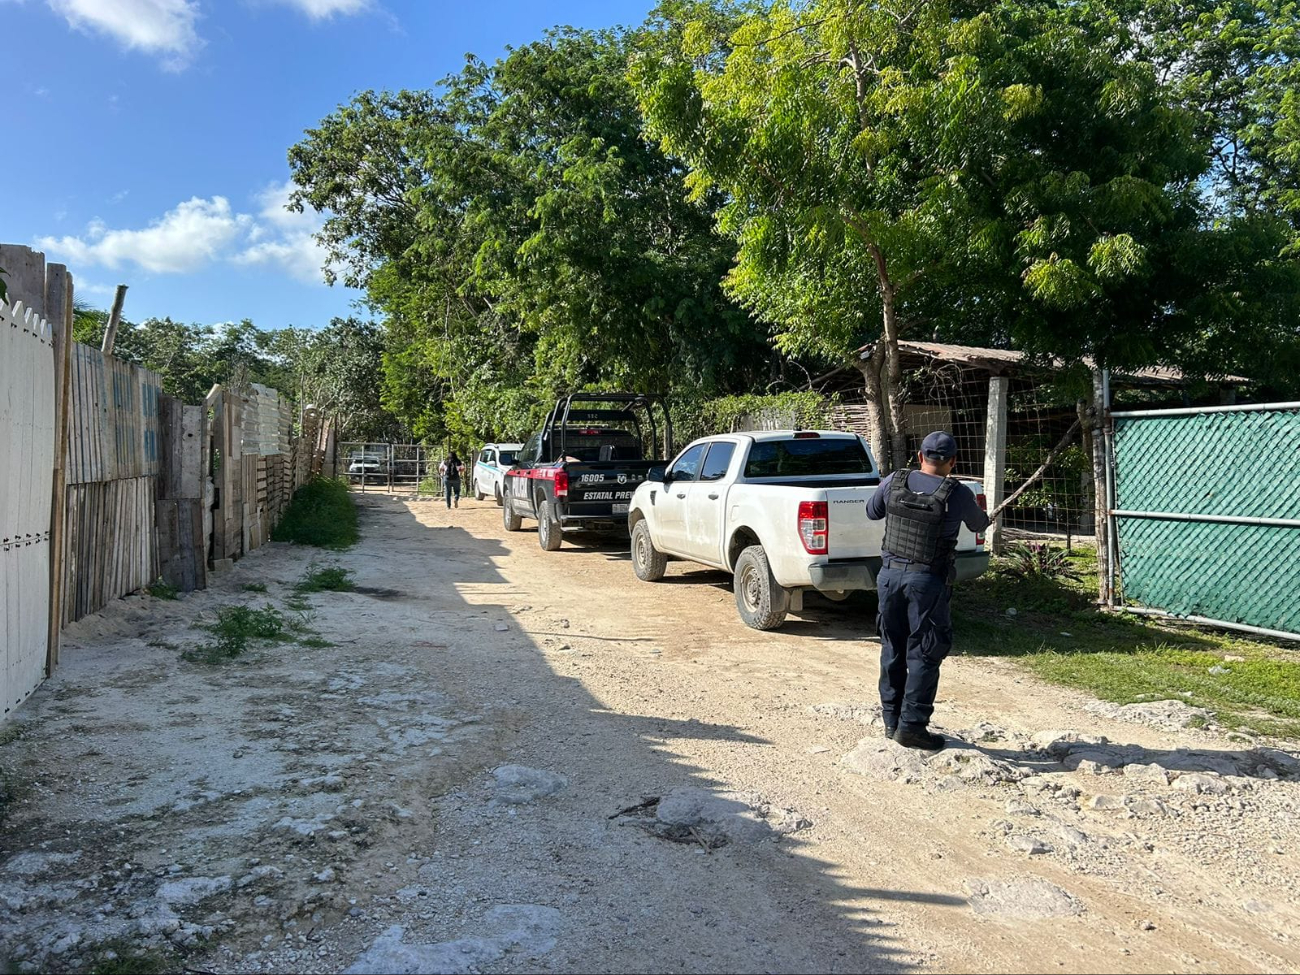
(783, 511)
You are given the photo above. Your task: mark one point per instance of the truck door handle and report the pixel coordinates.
(681, 495)
(713, 497)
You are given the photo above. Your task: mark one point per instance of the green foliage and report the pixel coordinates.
(162, 590)
(799, 410)
(321, 513)
(1028, 174)
(523, 238)
(4, 288)
(234, 628)
(1036, 561)
(254, 587)
(328, 579)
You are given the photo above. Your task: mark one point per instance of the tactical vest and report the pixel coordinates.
(914, 523)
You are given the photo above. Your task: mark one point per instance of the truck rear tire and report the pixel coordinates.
(496, 491)
(648, 562)
(511, 520)
(549, 533)
(762, 603)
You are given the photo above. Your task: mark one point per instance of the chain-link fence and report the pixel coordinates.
(1205, 521)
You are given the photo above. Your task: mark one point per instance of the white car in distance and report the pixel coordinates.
(490, 468)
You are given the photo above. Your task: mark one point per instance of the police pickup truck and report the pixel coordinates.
(783, 511)
(578, 472)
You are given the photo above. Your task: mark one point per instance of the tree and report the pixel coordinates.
(993, 166)
(532, 241)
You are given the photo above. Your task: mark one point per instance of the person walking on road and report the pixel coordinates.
(923, 511)
(451, 470)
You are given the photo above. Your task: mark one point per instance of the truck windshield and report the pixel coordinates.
(807, 458)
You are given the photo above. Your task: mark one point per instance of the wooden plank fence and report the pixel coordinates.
(107, 484)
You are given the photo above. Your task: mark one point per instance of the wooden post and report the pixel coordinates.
(995, 455)
(114, 317)
(1101, 516)
(58, 297)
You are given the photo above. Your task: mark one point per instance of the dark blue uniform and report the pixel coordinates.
(915, 620)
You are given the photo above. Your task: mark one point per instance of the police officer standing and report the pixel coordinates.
(923, 512)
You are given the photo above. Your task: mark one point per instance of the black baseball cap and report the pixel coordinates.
(939, 446)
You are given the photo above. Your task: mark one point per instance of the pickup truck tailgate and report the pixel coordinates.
(850, 534)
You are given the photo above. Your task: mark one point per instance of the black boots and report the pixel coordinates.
(912, 738)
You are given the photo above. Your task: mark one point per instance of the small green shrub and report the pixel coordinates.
(1036, 561)
(255, 587)
(321, 514)
(162, 590)
(234, 628)
(329, 579)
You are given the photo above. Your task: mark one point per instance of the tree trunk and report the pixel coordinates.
(877, 432)
(894, 375)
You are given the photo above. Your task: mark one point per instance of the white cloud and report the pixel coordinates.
(325, 9)
(186, 238)
(198, 233)
(165, 27)
(283, 237)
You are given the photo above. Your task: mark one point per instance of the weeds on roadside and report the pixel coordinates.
(120, 957)
(234, 628)
(1037, 561)
(255, 587)
(322, 514)
(330, 579)
(162, 590)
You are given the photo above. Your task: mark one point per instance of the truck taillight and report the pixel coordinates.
(561, 484)
(813, 522)
(983, 502)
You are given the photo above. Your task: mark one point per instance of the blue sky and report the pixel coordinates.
(147, 138)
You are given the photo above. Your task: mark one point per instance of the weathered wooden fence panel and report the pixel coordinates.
(113, 463)
(182, 546)
(27, 437)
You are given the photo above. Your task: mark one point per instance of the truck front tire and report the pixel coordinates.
(549, 533)
(478, 491)
(762, 603)
(648, 562)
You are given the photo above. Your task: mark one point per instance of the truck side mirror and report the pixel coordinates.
(658, 474)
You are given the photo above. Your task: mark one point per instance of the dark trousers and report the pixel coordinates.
(915, 626)
(452, 484)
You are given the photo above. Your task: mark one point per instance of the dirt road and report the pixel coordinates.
(441, 789)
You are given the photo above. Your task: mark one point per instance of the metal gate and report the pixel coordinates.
(403, 467)
(1205, 515)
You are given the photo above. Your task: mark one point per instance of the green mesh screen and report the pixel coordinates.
(1244, 464)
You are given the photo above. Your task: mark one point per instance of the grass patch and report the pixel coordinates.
(1058, 633)
(316, 642)
(121, 958)
(321, 514)
(255, 587)
(297, 603)
(235, 628)
(330, 579)
(162, 590)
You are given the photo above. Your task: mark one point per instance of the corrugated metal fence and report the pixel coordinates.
(1206, 512)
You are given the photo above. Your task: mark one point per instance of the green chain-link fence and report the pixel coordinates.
(1207, 512)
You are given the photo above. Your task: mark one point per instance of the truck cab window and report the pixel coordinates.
(686, 466)
(718, 460)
